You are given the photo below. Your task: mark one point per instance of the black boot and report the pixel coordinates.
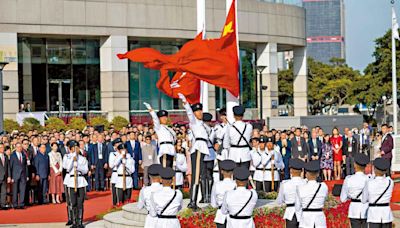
(210, 186)
(193, 197)
(203, 191)
(69, 222)
(206, 192)
(74, 218)
(80, 218)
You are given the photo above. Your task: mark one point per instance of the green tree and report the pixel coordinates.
(285, 85)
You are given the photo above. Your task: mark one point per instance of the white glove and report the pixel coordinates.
(123, 152)
(182, 97)
(272, 162)
(124, 161)
(148, 106)
(75, 164)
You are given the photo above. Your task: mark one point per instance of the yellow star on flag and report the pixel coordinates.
(228, 29)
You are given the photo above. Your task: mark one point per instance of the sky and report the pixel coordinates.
(365, 20)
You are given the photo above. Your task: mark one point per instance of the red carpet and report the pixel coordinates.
(99, 202)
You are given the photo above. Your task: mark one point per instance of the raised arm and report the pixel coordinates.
(154, 116)
(189, 111)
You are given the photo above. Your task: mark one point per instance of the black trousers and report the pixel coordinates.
(268, 186)
(243, 164)
(349, 166)
(77, 198)
(114, 194)
(99, 176)
(169, 160)
(207, 171)
(3, 192)
(43, 187)
(123, 196)
(18, 190)
(68, 202)
(221, 225)
(358, 223)
(193, 158)
(292, 224)
(379, 225)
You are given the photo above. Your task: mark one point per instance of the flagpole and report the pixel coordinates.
(394, 75)
(232, 101)
(201, 27)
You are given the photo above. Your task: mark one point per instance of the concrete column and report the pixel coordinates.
(211, 100)
(267, 55)
(27, 72)
(300, 81)
(114, 77)
(8, 53)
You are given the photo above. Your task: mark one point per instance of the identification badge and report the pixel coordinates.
(365, 136)
(283, 151)
(299, 148)
(315, 150)
(350, 149)
(150, 157)
(28, 162)
(337, 146)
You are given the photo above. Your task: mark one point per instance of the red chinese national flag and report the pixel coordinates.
(182, 82)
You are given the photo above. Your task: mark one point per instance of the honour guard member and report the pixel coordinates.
(145, 194)
(287, 192)
(125, 166)
(166, 136)
(71, 145)
(258, 163)
(310, 198)
(207, 171)
(180, 168)
(77, 167)
(239, 203)
(220, 188)
(166, 203)
(274, 163)
(222, 153)
(114, 176)
(237, 139)
(199, 146)
(378, 193)
(352, 189)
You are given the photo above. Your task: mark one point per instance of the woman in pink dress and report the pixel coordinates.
(56, 187)
(337, 143)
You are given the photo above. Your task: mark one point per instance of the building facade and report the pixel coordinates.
(62, 53)
(325, 29)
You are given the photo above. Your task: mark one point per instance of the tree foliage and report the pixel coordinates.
(285, 82)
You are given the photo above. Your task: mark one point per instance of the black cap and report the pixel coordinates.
(197, 107)
(361, 159)
(162, 113)
(241, 173)
(382, 164)
(238, 110)
(207, 117)
(167, 173)
(72, 143)
(154, 169)
(121, 146)
(222, 111)
(115, 141)
(295, 163)
(312, 166)
(227, 165)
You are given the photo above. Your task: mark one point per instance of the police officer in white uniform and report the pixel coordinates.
(310, 198)
(199, 145)
(273, 165)
(220, 188)
(239, 204)
(180, 168)
(123, 162)
(145, 194)
(166, 203)
(287, 192)
(114, 175)
(166, 136)
(70, 146)
(220, 130)
(207, 171)
(76, 166)
(237, 139)
(378, 193)
(352, 189)
(258, 162)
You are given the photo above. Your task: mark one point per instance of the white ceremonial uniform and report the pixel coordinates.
(238, 149)
(144, 202)
(287, 195)
(252, 166)
(217, 197)
(234, 201)
(220, 130)
(166, 136)
(65, 166)
(211, 137)
(263, 159)
(158, 203)
(129, 169)
(81, 168)
(373, 190)
(352, 189)
(199, 139)
(216, 171)
(304, 195)
(111, 162)
(258, 161)
(181, 167)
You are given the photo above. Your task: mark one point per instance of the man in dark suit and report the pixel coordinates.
(4, 176)
(285, 147)
(315, 146)
(30, 153)
(387, 145)
(135, 150)
(99, 162)
(299, 146)
(42, 165)
(350, 148)
(19, 170)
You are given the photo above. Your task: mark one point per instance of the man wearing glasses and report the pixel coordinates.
(149, 157)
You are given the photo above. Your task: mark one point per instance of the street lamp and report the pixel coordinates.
(2, 65)
(260, 69)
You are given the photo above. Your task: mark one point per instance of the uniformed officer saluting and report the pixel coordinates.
(239, 203)
(310, 198)
(125, 166)
(237, 139)
(378, 193)
(76, 166)
(145, 194)
(220, 188)
(114, 176)
(166, 136)
(352, 189)
(199, 146)
(287, 192)
(166, 203)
